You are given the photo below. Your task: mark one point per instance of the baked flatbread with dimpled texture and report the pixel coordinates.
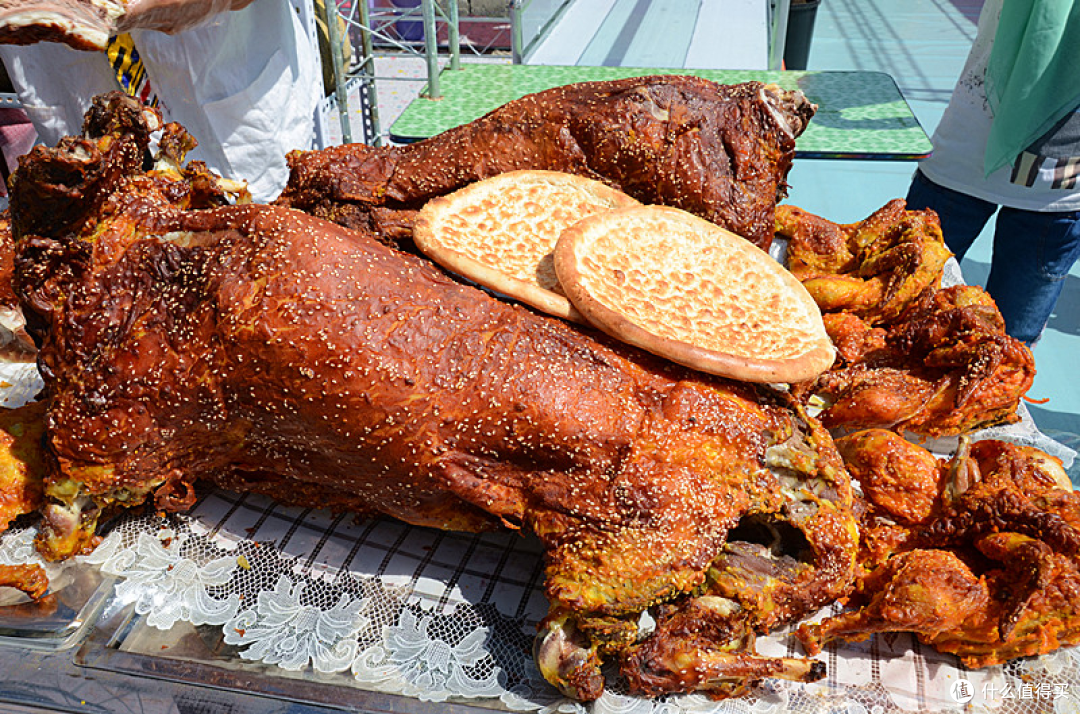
(683, 288)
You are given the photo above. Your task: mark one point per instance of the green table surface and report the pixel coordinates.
(861, 115)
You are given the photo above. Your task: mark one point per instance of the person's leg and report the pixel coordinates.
(1033, 253)
(962, 217)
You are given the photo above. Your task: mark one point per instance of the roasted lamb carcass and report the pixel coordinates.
(979, 555)
(722, 152)
(911, 356)
(269, 350)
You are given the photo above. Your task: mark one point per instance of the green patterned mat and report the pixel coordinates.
(861, 115)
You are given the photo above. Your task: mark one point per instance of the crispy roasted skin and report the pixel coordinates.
(722, 152)
(981, 559)
(911, 356)
(945, 367)
(272, 351)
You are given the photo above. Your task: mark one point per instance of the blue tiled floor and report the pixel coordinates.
(923, 44)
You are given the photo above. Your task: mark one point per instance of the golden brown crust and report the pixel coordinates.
(500, 232)
(722, 152)
(978, 559)
(675, 285)
(29, 578)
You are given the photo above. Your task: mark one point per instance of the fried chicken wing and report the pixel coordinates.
(271, 351)
(722, 152)
(986, 565)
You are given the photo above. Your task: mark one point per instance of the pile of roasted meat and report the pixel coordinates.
(301, 350)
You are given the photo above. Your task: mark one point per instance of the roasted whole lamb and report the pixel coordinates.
(722, 152)
(267, 350)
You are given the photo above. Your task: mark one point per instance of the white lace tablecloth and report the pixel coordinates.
(443, 616)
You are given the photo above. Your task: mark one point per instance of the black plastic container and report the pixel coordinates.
(800, 31)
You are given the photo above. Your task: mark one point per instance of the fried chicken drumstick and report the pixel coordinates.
(722, 152)
(268, 350)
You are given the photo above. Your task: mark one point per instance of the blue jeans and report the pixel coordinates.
(1032, 254)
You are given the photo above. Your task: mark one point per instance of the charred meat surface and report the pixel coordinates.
(721, 152)
(272, 351)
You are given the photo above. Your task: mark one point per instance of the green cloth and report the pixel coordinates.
(1033, 75)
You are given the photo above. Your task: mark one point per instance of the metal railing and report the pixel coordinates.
(365, 28)
(778, 18)
(530, 21)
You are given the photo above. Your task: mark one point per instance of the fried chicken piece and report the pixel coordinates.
(271, 351)
(722, 152)
(22, 474)
(22, 466)
(875, 269)
(989, 569)
(855, 341)
(30, 579)
(928, 592)
(896, 480)
(911, 356)
(945, 367)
